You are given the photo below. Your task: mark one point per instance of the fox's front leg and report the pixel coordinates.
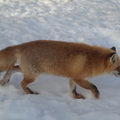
(73, 91)
(89, 86)
(8, 74)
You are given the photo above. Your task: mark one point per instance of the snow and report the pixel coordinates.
(95, 22)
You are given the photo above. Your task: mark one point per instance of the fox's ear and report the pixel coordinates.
(113, 57)
(113, 48)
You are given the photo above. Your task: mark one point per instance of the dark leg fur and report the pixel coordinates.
(76, 95)
(73, 91)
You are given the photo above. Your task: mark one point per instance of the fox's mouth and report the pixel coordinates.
(117, 74)
(116, 71)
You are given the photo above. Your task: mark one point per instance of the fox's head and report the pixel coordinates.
(113, 65)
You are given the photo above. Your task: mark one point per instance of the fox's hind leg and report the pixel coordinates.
(89, 86)
(8, 74)
(24, 84)
(73, 90)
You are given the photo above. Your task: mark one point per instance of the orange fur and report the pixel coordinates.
(77, 61)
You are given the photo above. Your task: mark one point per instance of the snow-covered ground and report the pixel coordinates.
(90, 21)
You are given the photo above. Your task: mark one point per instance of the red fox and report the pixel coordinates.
(77, 61)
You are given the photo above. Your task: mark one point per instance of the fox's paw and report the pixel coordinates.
(3, 82)
(75, 95)
(97, 95)
(78, 96)
(31, 92)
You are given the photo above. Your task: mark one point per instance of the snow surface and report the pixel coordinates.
(95, 22)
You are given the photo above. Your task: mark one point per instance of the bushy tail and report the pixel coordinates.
(7, 58)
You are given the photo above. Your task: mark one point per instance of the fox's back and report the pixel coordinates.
(55, 50)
